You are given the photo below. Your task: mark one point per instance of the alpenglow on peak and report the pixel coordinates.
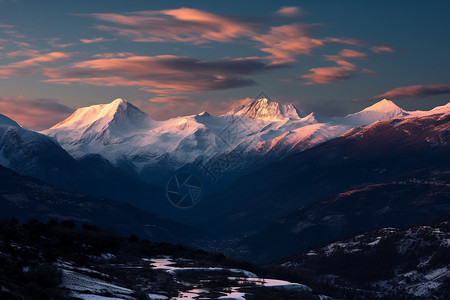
(265, 109)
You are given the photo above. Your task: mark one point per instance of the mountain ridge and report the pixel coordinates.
(263, 131)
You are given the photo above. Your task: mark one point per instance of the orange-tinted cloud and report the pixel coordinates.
(95, 40)
(32, 65)
(329, 74)
(416, 91)
(382, 49)
(348, 53)
(286, 42)
(289, 11)
(34, 113)
(176, 25)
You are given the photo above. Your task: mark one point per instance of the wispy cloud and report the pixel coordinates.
(32, 65)
(382, 49)
(95, 40)
(54, 43)
(345, 69)
(284, 43)
(176, 25)
(329, 74)
(164, 74)
(289, 11)
(34, 113)
(415, 91)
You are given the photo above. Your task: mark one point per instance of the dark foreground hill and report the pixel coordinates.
(391, 263)
(27, 198)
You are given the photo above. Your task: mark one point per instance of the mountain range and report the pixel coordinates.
(261, 130)
(291, 167)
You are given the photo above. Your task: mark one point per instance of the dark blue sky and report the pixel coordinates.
(178, 57)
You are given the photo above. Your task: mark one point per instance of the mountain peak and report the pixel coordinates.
(265, 109)
(119, 110)
(382, 110)
(4, 120)
(204, 114)
(384, 105)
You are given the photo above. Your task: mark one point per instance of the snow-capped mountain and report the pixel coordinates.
(265, 109)
(262, 130)
(29, 152)
(104, 123)
(34, 154)
(382, 110)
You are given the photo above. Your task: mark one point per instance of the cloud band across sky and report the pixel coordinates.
(415, 91)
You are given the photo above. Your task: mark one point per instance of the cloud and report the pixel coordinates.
(22, 52)
(348, 53)
(32, 65)
(6, 26)
(163, 74)
(95, 40)
(176, 25)
(287, 42)
(186, 25)
(345, 54)
(53, 42)
(382, 49)
(415, 91)
(329, 74)
(14, 33)
(289, 11)
(34, 113)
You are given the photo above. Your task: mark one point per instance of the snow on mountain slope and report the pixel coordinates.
(105, 122)
(262, 130)
(382, 110)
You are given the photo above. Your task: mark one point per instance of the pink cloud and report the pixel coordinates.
(95, 40)
(416, 91)
(34, 113)
(176, 25)
(382, 49)
(31, 65)
(329, 74)
(22, 52)
(348, 53)
(286, 42)
(289, 11)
